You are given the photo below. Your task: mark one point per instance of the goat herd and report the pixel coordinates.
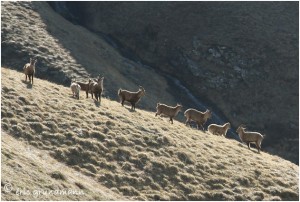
(95, 87)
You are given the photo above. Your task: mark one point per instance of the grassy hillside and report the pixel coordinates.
(134, 153)
(25, 167)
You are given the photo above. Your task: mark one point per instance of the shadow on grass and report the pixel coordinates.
(129, 109)
(97, 103)
(75, 98)
(28, 84)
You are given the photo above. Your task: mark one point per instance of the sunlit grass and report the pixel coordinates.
(136, 154)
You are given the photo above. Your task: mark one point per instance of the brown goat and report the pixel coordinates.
(168, 110)
(132, 97)
(96, 88)
(29, 70)
(85, 87)
(199, 117)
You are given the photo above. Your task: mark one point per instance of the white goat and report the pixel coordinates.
(75, 87)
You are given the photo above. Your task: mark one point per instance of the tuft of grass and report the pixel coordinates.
(58, 175)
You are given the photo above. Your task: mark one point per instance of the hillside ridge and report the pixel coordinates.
(138, 155)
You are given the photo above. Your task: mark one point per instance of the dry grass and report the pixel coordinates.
(136, 154)
(33, 173)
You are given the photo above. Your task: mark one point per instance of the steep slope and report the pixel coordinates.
(240, 57)
(137, 154)
(63, 50)
(28, 173)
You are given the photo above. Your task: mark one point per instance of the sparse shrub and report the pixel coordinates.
(68, 142)
(187, 177)
(155, 186)
(36, 126)
(28, 136)
(10, 114)
(90, 167)
(58, 175)
(4, 120)
(126, 166)
(138, 141)
(239, 197)
(258, 196)
(105, 130)
(97, 135)
(114, 189)
(24, 100)
(218, 196)
(186, 188)
(289, 195)
(178, 197)
(172, 170)
(13, 121)
(52, 126)
(185, 158)
(180, 164)
(110, 124)
(4, 126)
(79, 185)
(143, 157)
(138, 148)
(35, 144)
(129, 191)
(243, 181)
(111, 143)
(16, 130)
(196, 197)
(148, 181)
(122, 140)
(121, 154)
(163, 140)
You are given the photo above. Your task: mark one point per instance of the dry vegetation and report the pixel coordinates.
(134, 153)
(31, 171)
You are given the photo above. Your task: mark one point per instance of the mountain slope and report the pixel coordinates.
(239, 58)
(137, 154)
(242, 58)
(63, 50)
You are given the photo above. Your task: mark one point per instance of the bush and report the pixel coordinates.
(58, 175)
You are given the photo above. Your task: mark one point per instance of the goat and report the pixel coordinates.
(29, 70)
(132, 97)
(75, 87)
(218, 130)
(249, 137)
(199, 117)
(96, 88)
(168, 110)
(85, 87)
